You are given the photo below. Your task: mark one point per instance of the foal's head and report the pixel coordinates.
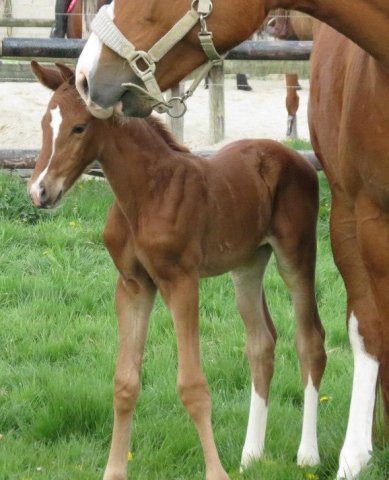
(68, 134)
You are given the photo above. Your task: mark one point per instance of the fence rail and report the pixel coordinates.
(250, 50)
(26, 22)
(25, 159)
(71, 48)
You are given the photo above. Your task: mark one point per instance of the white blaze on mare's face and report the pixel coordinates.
(55, 123)
(90, 55)
(356, 451)
(308, 452)
(256, 429)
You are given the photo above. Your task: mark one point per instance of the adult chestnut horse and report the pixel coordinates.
(178, 218)
(349, 119)
(75, 13)
(290, 25)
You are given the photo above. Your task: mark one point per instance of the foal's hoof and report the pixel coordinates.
(220, 475)
(249, 455)
(308, 458)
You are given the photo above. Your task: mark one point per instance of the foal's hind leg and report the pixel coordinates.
(261, 338)
(135, 295)
(295, 250)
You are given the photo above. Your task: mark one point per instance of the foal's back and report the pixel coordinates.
(252, 189)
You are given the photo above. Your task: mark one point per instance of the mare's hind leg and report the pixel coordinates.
(261, 338)
(294, 245)
(350, 236)
(135, 295)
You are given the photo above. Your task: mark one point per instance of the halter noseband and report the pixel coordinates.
(112, 37)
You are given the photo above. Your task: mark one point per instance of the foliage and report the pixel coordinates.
(58, 349)
(14, 201)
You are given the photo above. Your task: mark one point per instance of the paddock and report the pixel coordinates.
(58, 332)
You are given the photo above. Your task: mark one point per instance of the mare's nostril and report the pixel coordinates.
(85, 86)
(82, 85)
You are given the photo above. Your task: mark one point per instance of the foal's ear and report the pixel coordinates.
(67, 73)
(47, 76)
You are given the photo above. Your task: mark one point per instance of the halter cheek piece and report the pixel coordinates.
(143, 63)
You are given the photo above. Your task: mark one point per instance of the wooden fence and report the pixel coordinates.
(264, 51)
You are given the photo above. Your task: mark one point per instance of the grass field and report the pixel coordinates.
(58, 350)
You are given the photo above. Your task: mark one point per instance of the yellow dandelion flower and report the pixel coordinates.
(312, 476)
(72, 223)
(325, 398)
(130, 456)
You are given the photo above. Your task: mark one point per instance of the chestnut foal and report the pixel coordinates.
(177, 218)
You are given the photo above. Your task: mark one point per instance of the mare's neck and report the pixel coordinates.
(364, 21)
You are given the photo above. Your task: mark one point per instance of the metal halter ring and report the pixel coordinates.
(181, 102)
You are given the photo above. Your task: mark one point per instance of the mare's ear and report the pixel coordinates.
(47, 76)
(67, 73)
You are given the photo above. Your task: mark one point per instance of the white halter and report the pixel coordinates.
(110, 35)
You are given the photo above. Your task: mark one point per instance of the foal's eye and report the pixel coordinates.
(78, 129)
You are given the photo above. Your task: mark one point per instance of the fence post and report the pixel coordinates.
(89, 9)
(176, 125)
(216, 104)
(6, 12)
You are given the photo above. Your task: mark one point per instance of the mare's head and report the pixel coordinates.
(101, 72)
(68, 133)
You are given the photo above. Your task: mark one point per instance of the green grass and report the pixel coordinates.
(58, 349)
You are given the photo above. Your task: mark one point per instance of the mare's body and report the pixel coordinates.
(349, 118)
(178, 218)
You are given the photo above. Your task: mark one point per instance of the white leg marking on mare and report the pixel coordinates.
(356, 451)
(56, 120)
(256, 429)
(308, 452)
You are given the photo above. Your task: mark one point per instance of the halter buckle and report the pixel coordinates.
(144, 57)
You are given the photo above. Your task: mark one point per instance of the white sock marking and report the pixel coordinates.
(356, 451)
(56, 120)
(308, 452)
(256, 430)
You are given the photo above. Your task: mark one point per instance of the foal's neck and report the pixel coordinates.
(135, 156)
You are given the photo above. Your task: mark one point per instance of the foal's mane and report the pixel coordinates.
(161, 129)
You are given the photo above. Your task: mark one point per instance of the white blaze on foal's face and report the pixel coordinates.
(37, 189)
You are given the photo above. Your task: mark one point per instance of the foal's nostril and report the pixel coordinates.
(42, 194)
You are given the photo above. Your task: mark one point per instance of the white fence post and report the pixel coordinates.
(216, 104)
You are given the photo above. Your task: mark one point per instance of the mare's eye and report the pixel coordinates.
(78, 129)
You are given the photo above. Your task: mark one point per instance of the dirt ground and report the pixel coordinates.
(257, 114)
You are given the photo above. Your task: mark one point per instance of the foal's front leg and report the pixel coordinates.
(181, 296)
(134, 301)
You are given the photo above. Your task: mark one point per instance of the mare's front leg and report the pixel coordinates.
(135, 294)
(181, 295)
